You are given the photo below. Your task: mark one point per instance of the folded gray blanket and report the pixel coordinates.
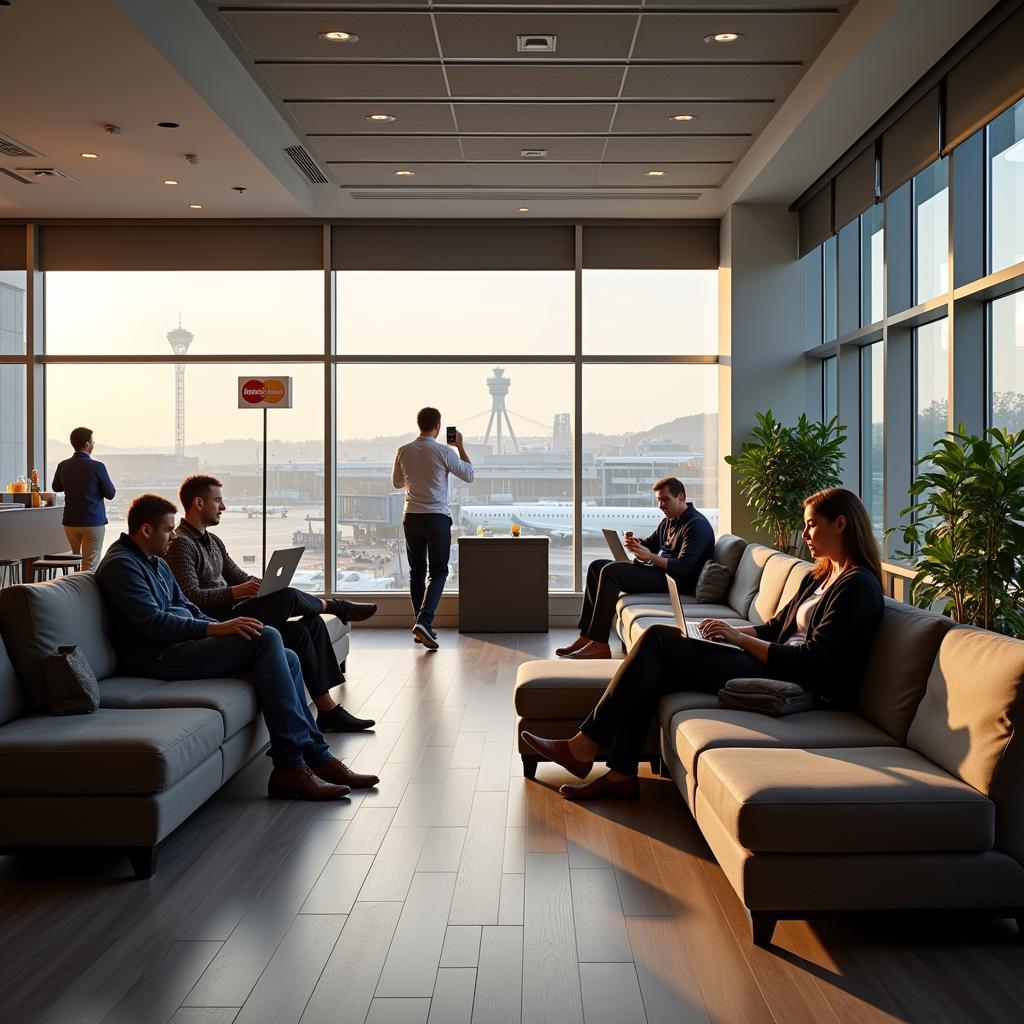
(768, 696)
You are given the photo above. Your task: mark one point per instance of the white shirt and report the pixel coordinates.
(422, 467)
(803, 617)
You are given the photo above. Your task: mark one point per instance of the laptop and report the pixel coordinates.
(615, 546)
(280, 570)
(690, 629)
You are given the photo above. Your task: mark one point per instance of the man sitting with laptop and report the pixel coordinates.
(678, 548)
(212, 581)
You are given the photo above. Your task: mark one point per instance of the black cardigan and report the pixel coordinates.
(839, 637)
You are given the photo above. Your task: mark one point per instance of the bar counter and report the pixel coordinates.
(29, 533)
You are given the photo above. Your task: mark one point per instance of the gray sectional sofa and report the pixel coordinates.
(128, 775)
(913, 801)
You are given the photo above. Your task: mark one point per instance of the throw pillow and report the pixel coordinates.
(71, 686)
(768, 696)
(713, 583)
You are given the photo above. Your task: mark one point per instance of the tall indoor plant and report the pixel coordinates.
(968, 529)
(781, 466)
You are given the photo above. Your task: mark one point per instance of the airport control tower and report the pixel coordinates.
(179, 339)
(499, 385)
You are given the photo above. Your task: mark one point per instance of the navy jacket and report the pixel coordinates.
(146, 610)
(687, 542)
(85, 484)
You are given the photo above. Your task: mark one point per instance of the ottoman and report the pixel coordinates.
(553, 697)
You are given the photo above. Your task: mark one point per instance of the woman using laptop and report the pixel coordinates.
(819, 640)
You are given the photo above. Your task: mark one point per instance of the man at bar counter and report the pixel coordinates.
(158, 633)
(212, 581)
(85, 483)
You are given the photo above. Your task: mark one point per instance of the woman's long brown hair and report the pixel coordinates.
(858, 537)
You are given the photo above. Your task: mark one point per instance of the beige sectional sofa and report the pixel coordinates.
(915, 800)
(129, 774)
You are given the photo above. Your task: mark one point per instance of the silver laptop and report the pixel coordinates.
(615, 546)
(690, 629)
(280, 570)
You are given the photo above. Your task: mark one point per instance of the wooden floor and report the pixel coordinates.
(457, 892)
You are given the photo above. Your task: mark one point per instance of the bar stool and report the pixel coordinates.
(69, 556)
(10, 572)
(48, 568)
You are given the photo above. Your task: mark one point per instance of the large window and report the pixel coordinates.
(829, 386)
(1006, 188)
(872, 265)
(931, 385)
(12, 377)
(931, 231)
(830, 290)
(1006, 362)
(872, 431)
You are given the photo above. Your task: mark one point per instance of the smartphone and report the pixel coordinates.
(451, 432)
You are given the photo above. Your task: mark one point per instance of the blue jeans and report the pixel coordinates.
(428, 543)
(280, 691)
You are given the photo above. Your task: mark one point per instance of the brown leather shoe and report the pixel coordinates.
(593, 650)
(340, 774)
(580, 641)
(300, 782)
(559, 752)
(603, 788)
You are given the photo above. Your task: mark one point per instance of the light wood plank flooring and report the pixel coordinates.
(457, 892)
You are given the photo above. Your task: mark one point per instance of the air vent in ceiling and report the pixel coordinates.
(554, 196)
(304, 162)
(16, 177)
(45, 174)
(536, 44)
(11, 147)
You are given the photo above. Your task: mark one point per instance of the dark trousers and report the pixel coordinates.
(307, 637)
(428, 545)
(605, 581)
(276, 677)
(663, 661)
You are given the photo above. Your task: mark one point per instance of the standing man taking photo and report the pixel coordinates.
(421, 468)
(85, 483)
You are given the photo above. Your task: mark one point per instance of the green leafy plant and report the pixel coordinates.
(968, 529)
(781, 466)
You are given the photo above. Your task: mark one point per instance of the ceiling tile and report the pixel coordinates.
(580, 35)
(559, 149)
(293, 35)
(354, 175)
(361, 148)
(676, 175)
(345, 81)
(710, 82)
(351, 117)
(632, 149)
(656, 118)
(763, 37)
(529, 80)
(534, 118)
(533, 175)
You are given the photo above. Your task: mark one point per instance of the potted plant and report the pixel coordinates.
(968, 529)
(781, 467)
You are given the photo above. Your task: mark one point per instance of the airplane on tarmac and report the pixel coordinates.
(312, 580)
(257, 510)
(556, 518)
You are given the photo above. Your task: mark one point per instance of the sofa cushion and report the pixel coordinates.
(747, 578)
(638, 625)
(797, 575)
(336, 629)
(234, 699)
(972, 704)
(683, 700)
(899, 664)
(728, 551)
(713, 583)
(693, 732)
(561, 689)
(851, 800)
(773, 580)
(37, 618)
(12, 697)
(111, 751)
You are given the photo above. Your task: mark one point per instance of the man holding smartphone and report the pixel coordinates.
(422, 468)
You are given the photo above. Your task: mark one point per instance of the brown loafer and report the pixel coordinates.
(559, 752)
(603, 788)
(339, 773)
(579, 642)
(592, 650)
(301, 783)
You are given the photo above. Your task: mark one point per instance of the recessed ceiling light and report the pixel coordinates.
(170, 181)
(524, 209)
(337, 36)
(655, 174)
(682, 117)
(90, 156)
(168, 124)
(405, 174)
(195, 206)
(723, 37)
(382, 118)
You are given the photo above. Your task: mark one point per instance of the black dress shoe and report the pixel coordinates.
(340, 720)
(339, 774)
(351, 611)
